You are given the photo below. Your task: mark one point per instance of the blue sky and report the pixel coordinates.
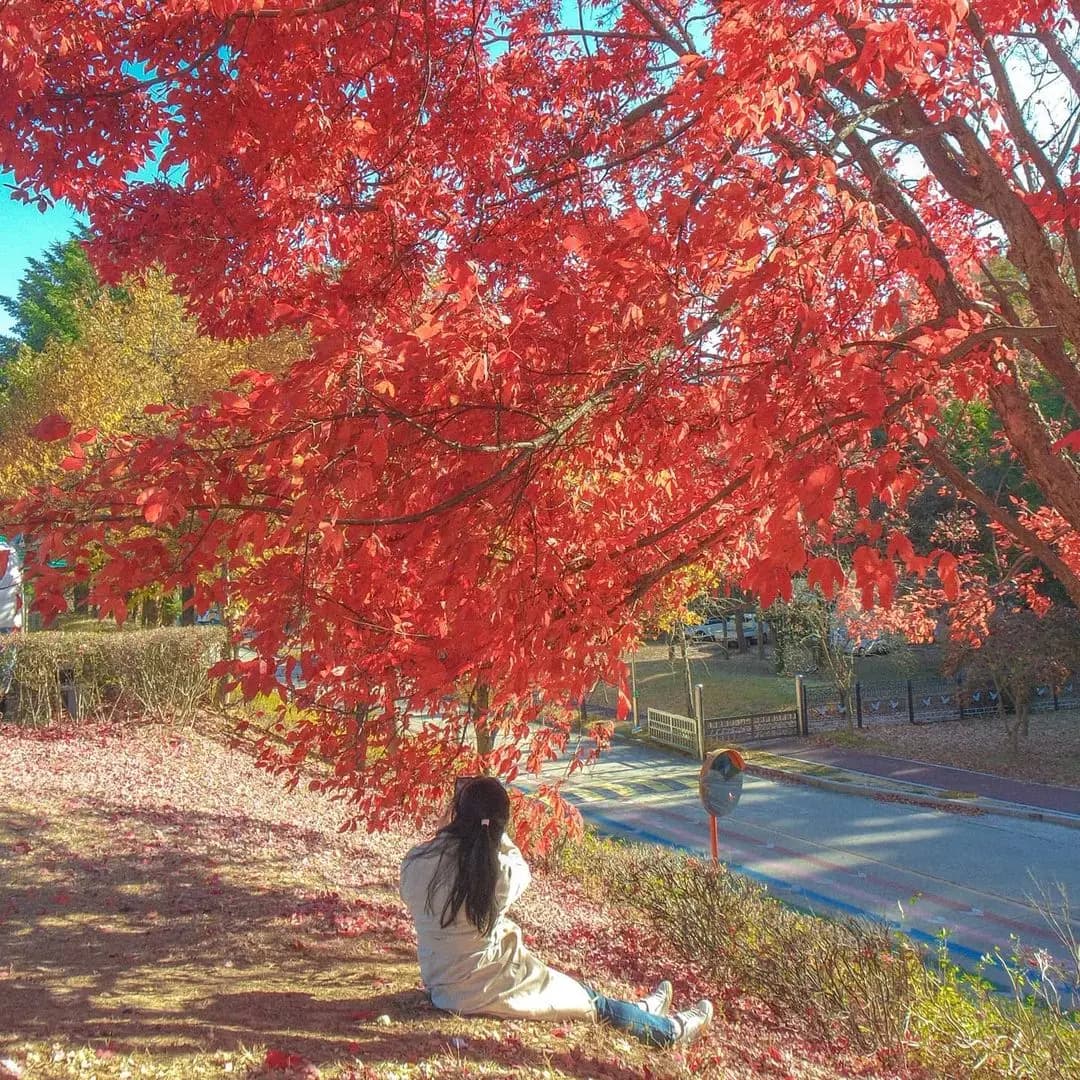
(25, 232)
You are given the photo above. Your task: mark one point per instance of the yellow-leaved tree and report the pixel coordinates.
(135, 347)
(126, 349)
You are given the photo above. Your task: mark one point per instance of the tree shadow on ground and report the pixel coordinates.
(184, 932)
(134, 939)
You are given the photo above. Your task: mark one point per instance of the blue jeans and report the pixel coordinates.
(633, 1019)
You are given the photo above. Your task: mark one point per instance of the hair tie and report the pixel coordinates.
(485, 822)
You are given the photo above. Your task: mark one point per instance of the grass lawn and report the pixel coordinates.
(169, 911)
(734, 685)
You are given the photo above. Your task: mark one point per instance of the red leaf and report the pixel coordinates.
(286, 1061)
(635, 222)
(154, 503)
(51, 428)
(428, 329)
(827, 573)
(950, 580)
(573, 241)
(1069, 442)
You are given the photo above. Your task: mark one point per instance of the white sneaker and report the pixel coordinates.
(690, 1024)
(659, 1001)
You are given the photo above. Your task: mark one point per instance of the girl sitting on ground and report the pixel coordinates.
(458, 887)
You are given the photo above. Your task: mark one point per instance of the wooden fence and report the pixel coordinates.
(671, 729)
(725, 730)
(682, 732)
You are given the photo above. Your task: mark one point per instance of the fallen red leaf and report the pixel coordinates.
(286, 1061)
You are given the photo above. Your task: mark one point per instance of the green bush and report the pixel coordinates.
(850, 980)
(156, 674)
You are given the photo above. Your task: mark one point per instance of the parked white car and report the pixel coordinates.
(749, 628)
(724, 630)
(869, 647)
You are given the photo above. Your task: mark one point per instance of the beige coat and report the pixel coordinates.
(468, 972)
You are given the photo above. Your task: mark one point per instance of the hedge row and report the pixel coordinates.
(156, 674)
(853, 983)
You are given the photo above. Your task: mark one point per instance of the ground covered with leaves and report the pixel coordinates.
(1049, 755)
(168, 910)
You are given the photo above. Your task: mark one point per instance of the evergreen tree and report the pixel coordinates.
(46, 306)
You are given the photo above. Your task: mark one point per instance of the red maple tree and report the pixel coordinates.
(587, 302)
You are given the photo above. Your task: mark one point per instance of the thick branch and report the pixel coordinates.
(1054, 473)
(619, 35)
(670, 39)
(1013, 115)
(1025, 140)
(939, 458)
(1064, 63)
(948, 292)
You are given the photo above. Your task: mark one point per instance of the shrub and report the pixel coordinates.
(847, 978)
(157, 674)
(850, 979)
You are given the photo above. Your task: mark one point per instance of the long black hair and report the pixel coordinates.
(469, 853)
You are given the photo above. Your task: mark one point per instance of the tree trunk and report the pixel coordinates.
(187, 606)
(740, 633)
(230, 649)
(780, 642)
(478, 707)
(151, 613)
(1052, 471)
(80, 597)
(688, 673)
(760, 616)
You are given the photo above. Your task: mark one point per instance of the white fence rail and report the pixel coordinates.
(671, 729)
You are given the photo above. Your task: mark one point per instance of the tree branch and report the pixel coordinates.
(936, 454)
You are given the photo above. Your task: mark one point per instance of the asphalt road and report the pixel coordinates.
(923, 871)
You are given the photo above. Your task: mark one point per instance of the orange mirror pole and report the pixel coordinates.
(720, 786)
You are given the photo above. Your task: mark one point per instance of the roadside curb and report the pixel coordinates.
(970, 807)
